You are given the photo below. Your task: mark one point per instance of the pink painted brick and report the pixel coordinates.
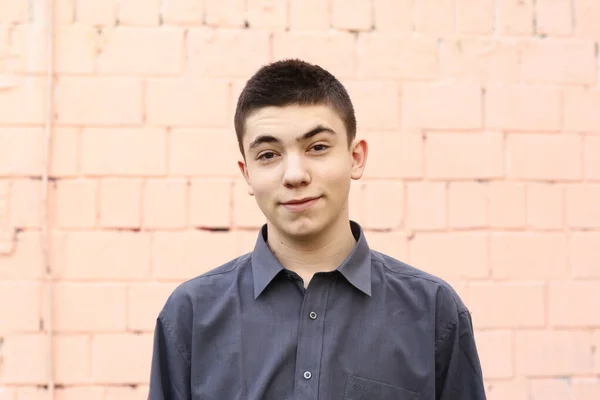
(475, 16)
(199, 102)
(356, 201)
(376, 104)
(426, 206)
(80, 392)
(551, 61)
(133, 392)
(584, 255)
(583, 206)
(587, 14)
(517, 107)
(185, 254)
(8, 393)
(529, 255)
(568, 304)
(507, 204)
(24, 359)
(499, 305)
(25, 317)
(123, 151)
(99, 101)
(96, 13)
(495, 353)
(90, 307)
(456, 155)
(267, 13)
(165, 204)
(393, 243)
(581, 110)
(394, 15)
(247, 51)
(182, 12)
(515, 17)
(141, 51)
(139, 12)
(435, 17)
(23, 101)
(434, 106)
(467, 205)
(503, 389)
(551, 388)
(546, 353)
(545, 206)
(132, 366)
(225, 13)
(77, 203)
(107, 255)
(544, 157)
(309, 14)
(25, 258)
(144, 301)
(246, 213)
(184, 145)
(554, 17)
(355, 15)
(586, 389)
(591, 157)
(334, 51)
(72, 358)
(394, 155)
(467, 250)
(64, 158)
(25, 203)
(14, 11)
(76, 49)
(396, 56)
(383, 204)
(211, 203)
(480, 59)
(21, 151)
(120, 203)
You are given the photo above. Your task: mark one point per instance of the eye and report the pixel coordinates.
(267, 155)
(320, 147)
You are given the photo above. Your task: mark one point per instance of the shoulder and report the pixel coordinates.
(437, 292)
(182, 301)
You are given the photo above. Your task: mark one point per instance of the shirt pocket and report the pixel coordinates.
(358, 388)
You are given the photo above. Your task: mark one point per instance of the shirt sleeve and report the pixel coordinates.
(458, 368)
(170, 370)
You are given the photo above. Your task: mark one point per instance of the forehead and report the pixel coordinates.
(290, 121)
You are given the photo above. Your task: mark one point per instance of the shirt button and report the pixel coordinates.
(307, 375)
(312, 315)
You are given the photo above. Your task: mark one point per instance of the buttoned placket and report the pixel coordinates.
(311, 332)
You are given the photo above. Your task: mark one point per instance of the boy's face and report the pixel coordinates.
(299, 167)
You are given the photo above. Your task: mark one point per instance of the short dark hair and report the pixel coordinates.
(293, 82)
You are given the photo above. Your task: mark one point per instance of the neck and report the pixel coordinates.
(316, 254)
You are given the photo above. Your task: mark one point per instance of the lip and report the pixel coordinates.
(300, 204)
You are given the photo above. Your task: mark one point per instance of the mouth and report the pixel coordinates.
(300, 204)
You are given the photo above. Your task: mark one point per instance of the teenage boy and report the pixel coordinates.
(312, 312)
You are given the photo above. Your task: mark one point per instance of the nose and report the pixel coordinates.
(296, 173)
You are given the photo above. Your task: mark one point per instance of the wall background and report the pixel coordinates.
(483, 118)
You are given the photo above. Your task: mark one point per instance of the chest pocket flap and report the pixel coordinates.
(358, 388)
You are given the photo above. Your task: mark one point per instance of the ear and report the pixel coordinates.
(359, 151)
(244, 170)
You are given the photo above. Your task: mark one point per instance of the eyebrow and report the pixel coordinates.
(272, 139)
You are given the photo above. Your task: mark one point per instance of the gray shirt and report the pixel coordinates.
(375, 328)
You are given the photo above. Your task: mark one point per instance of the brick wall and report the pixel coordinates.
(484, 123)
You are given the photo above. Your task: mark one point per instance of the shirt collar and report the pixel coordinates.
(356, 268)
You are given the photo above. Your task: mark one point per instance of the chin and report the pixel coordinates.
(301, 228)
